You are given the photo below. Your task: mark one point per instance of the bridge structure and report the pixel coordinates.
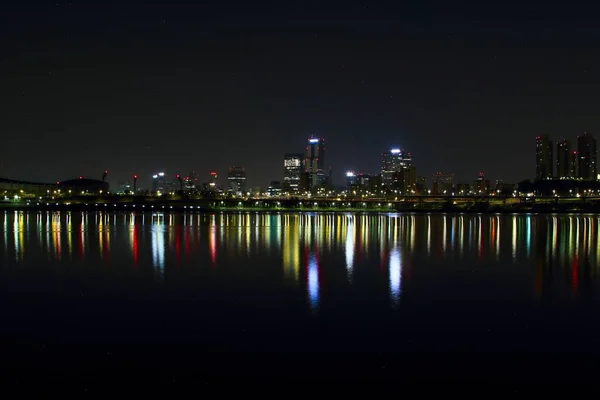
(397, 204)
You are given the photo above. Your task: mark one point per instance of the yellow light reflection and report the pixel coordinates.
(291, 251)
(56, 235)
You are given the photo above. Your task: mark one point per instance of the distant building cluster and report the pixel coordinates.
(561, 169)
(568, 162)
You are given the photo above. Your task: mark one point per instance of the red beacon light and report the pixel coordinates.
(80, 177)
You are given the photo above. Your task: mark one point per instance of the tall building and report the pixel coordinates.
(314, 162)
(236, 180)
(573, 164)
(351, 180)
(587, 165)
(543, 157)
(393, 162)
(191, 181)
(292, 171)
(159, 183)
(405, 180)
(481, 186)
(442, 183)
(563, 159)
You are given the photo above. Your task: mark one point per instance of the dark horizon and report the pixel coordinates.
(137, 87)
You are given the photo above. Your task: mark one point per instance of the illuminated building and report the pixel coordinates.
(543, 157)
(393, 162)
(351, 180)
(81, 185)
(314, 162)
(236, 179)
(442, 184)
(481, 185)
(124, 187)
(191, 182)
(159, 183)
(462, 189)
(421, 185)
(292, 171)
(573, 164)
(405, 180)
(564, 157)
(274, 188)
(587, 161)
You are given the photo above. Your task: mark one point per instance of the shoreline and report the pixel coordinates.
(196, 209)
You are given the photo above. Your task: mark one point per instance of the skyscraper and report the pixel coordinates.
(587, 157)
(159, 183)
(393, 162)
(543, 157)
(292, 171)
(573, 164)
(236, 180)
(563, 159)
(314, 162)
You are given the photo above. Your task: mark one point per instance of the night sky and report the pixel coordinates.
(138, 87)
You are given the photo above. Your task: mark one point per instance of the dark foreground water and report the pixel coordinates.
(429, 297)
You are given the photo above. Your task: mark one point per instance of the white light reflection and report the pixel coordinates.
(497, 238)
(313, 282)
(444, 235)
(350, 233)
(428, 235)
(158, 248)
(5, 233)
(395, 275)
(16, 235)
(528, 235)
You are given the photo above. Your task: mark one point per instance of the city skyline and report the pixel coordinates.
(85, 92)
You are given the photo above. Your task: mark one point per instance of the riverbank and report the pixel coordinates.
(204, 208)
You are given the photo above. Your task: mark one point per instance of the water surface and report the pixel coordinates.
(308, 289)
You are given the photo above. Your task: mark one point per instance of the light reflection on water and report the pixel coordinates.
(310, 247)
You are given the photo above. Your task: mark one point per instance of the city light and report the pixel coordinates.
(395, 151)
(350, 174)
(314, 140)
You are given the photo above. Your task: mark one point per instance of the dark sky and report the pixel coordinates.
(138, 87)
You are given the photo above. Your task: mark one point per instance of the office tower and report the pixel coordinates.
(393, 162)
(587, 157)
(159, 183)
(292, 171)
(236, 180)
(421, 185)
(274, 188)
(573, 164)
(314, 162)
(212, 180)
(351, 180)
(481, 186)
(404, 181)
(563, 159)
(191, 182)
(442, 183)
(543, 157)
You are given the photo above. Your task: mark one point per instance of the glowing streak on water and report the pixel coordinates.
(395, 275)
(313, 282)
(350, 232)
